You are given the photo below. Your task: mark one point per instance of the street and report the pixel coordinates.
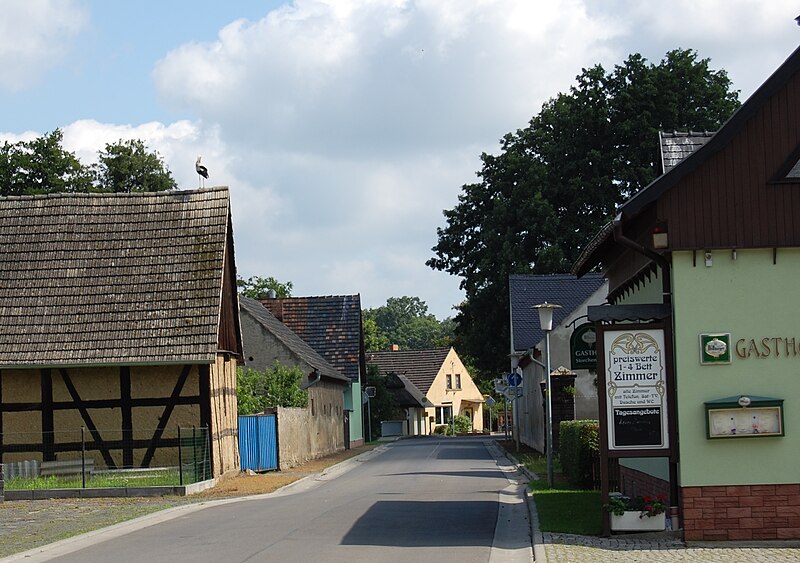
(439, 499)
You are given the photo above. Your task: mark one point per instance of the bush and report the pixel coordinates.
(462, 424)
(442, 429)
(580, 446)
(278, 386)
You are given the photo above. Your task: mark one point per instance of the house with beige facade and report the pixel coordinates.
(442, 381)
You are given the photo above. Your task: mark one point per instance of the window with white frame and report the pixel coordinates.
(444, 414)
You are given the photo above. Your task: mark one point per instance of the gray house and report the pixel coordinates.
(303, 434)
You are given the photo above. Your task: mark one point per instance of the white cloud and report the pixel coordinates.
(35, 35)
(345, 127)
(382, 76)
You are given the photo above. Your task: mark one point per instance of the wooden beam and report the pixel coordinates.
(1, 416)
(102, 404)
(205, 410)
(127, 416)
(87, 419)
(164, 419)
(48, 431)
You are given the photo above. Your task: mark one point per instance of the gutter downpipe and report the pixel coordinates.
(310, 381)
(666, 298)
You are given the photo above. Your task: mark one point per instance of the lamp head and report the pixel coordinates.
(546, 314)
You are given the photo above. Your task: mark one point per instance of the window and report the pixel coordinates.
(449, 381)
(458, 381)
(443, 415)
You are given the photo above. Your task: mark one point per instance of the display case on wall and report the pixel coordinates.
(744, 417)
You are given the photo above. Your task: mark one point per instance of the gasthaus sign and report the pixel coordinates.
(636, 407)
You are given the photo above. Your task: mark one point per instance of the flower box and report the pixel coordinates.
(629, 521)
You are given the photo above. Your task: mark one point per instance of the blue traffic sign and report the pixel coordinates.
(514, 379)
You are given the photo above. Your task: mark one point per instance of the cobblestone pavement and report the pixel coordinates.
(566, 548)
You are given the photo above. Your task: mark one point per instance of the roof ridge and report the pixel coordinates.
(93, 195)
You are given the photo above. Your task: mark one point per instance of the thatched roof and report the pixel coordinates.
(112, 279)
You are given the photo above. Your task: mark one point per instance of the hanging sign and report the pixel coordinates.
(582, 350)
(636, 406)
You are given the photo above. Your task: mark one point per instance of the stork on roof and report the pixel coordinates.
(202, 171)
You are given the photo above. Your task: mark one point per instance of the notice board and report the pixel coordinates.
(635, 387)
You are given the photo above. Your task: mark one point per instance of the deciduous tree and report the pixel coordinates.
(558, 180)
(127, 166)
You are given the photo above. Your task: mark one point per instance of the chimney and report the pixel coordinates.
(394, 347)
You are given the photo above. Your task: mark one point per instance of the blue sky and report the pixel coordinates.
(342, 127)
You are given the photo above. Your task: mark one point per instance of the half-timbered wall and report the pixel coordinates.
(130, 415)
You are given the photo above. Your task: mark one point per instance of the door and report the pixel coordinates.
(258, 442)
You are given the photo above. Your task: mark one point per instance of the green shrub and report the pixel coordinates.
(580, 446)
(442, 429)
(462, 424)
(278, 386)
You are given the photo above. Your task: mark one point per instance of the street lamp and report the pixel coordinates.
(546, 323)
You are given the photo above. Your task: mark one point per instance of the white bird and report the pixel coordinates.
(202, 171)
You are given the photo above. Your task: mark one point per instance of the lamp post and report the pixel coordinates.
(546, 323)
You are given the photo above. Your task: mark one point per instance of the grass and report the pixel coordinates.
(126, 478)
(567, 510)
(561, 508)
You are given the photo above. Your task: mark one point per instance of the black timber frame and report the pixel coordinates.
(47, 406)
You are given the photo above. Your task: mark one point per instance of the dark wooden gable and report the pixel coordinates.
(725, 194)
(735, 191)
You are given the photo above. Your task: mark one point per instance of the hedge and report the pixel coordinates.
(580, 446)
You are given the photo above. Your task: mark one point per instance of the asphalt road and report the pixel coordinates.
(451, 499)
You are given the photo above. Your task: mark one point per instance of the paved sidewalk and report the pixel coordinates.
(551, 547)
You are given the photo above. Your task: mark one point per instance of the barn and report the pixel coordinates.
(118, 320)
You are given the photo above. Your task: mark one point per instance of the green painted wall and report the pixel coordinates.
(650, 291)
(352, 401)
(751, 298)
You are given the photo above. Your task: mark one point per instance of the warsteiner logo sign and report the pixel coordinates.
(636, 407)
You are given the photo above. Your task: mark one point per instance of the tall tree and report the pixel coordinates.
(557, 181)
(127, 166)
(405, 321)
(41, 166)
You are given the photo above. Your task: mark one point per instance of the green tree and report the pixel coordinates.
(41, 166)
(382, 406)
(374, 339)
(278, 386)
(257, 287)
(557, 181)
(405, 321)
(127, 166)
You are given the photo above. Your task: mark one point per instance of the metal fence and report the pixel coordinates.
(97, 458)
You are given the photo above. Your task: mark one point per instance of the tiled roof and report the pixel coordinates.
(111, 279)
(404, 392)
(420, 367)
(289, 339)
(330, 324)
(676, 146)
(525, 291)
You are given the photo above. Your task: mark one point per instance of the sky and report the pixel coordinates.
(343, 128)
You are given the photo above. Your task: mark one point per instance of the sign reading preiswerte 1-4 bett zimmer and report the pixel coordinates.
(636, 406)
